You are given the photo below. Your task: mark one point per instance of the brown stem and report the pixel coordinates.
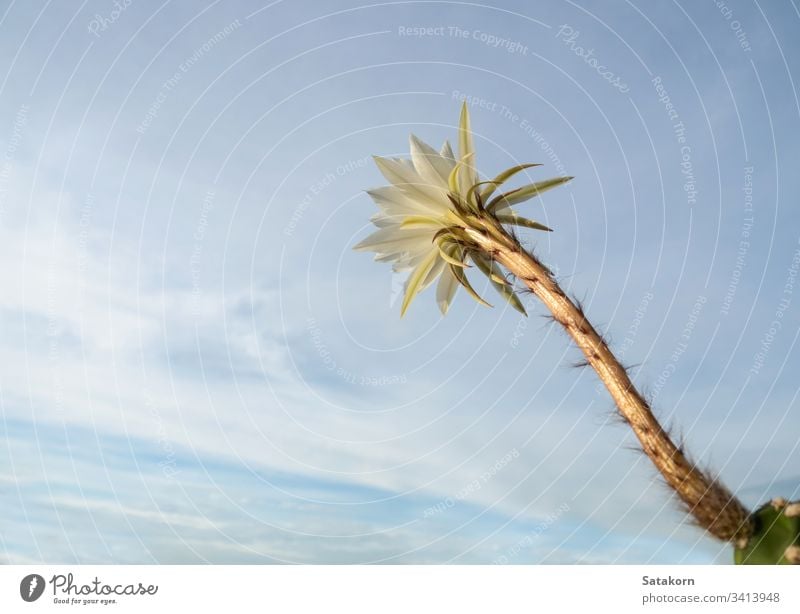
(712, 505)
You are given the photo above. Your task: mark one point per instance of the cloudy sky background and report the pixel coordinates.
(198, 368)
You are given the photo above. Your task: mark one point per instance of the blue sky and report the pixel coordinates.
(198, 368)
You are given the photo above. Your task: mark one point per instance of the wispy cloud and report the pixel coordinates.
(185, 381)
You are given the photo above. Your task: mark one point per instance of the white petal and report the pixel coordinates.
(404, 176)
(447, 153)
(446, 290)
(410, 259)
(396, 202)
(429, 163)
(395, 240)
(434, 273)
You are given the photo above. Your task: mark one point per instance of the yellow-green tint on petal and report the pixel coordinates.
(392, 239)
(414, 284)
(466, 151)
(446, 290)
(421, 221)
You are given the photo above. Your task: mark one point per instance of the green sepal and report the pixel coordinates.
(447, 245)
(502, 178)
(500, 283)
(462, 279)
(507, 199)
(518, 220)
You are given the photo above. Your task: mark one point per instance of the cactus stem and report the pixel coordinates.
(713, 506)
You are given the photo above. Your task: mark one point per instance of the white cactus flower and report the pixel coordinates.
(433, 200)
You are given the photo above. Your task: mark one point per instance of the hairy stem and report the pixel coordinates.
(713, 506)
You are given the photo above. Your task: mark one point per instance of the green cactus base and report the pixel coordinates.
(776, 538)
